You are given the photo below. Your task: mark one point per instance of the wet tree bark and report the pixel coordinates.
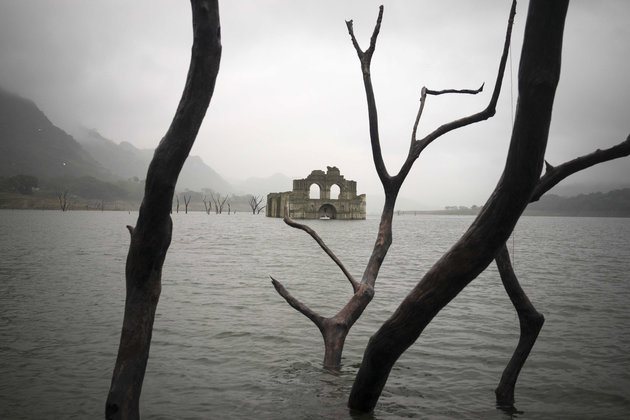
(538, 77)
(151, 236)
(530, 320)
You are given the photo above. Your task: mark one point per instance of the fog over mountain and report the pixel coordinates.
(30, 144)
(289, 96)
(127, 161)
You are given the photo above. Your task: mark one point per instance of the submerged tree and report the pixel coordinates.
(539, 73)
(186, 203)
(255, 202)
(207, 205)
(219, 202)
(63, 200)
(151, 236)
(530, 320)
(335, 329)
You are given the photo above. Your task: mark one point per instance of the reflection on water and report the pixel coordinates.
(225, 345)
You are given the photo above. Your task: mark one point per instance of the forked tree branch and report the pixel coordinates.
(423, 97)
(297, 305)
(365, 58)
(488, 112)
(470, 255)
(554, 174)
(320, 242)
(530, 320)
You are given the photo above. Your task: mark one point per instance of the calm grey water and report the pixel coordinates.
(225, 345)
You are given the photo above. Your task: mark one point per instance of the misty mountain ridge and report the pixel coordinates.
(31, 144)
(127, 161)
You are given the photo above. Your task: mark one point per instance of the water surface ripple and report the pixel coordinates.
(226, 346)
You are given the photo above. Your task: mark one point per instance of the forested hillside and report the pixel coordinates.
(614, 203)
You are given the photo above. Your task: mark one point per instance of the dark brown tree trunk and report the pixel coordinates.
(530, 320)
(538, 77)
(151, 237)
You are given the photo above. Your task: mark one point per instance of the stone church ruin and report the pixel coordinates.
(319, 196)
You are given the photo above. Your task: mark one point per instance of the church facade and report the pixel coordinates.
(304, 202)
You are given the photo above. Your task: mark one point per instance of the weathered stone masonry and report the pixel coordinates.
(347, 206)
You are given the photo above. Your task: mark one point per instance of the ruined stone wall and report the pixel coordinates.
(347, 206)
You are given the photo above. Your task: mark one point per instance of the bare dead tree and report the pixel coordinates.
(151, 236)
(254, 202)
(538, 77)
(229, 207)
(219, 202)
(63, 200)
(177, 208)
(207, 205)
(186, 203)
(530, 320)
(335, 329)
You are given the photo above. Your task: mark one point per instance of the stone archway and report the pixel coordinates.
(327, 211)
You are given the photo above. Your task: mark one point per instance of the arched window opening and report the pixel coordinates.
(334, 192)
(314, 193)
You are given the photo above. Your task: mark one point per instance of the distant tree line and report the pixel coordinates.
(613, 203)
(89, 193)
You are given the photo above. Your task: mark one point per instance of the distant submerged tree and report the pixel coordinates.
(151, 236)
(63, 200)
(186, 203)
(207, 205)
(255, 202)
(219, 202)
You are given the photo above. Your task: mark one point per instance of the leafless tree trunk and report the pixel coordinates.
(63, 200)
(177, 208)
(151, 236)
(538, 77)
(255, 202)
(186, 203)
(207, 205)
(530, 320)
(219, 202)
(335, 329)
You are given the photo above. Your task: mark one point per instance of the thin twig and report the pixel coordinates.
(465, 91)
(423, 97)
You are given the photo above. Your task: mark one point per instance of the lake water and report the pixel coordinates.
(227, 346)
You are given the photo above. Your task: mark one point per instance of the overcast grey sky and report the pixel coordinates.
(289, 97)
